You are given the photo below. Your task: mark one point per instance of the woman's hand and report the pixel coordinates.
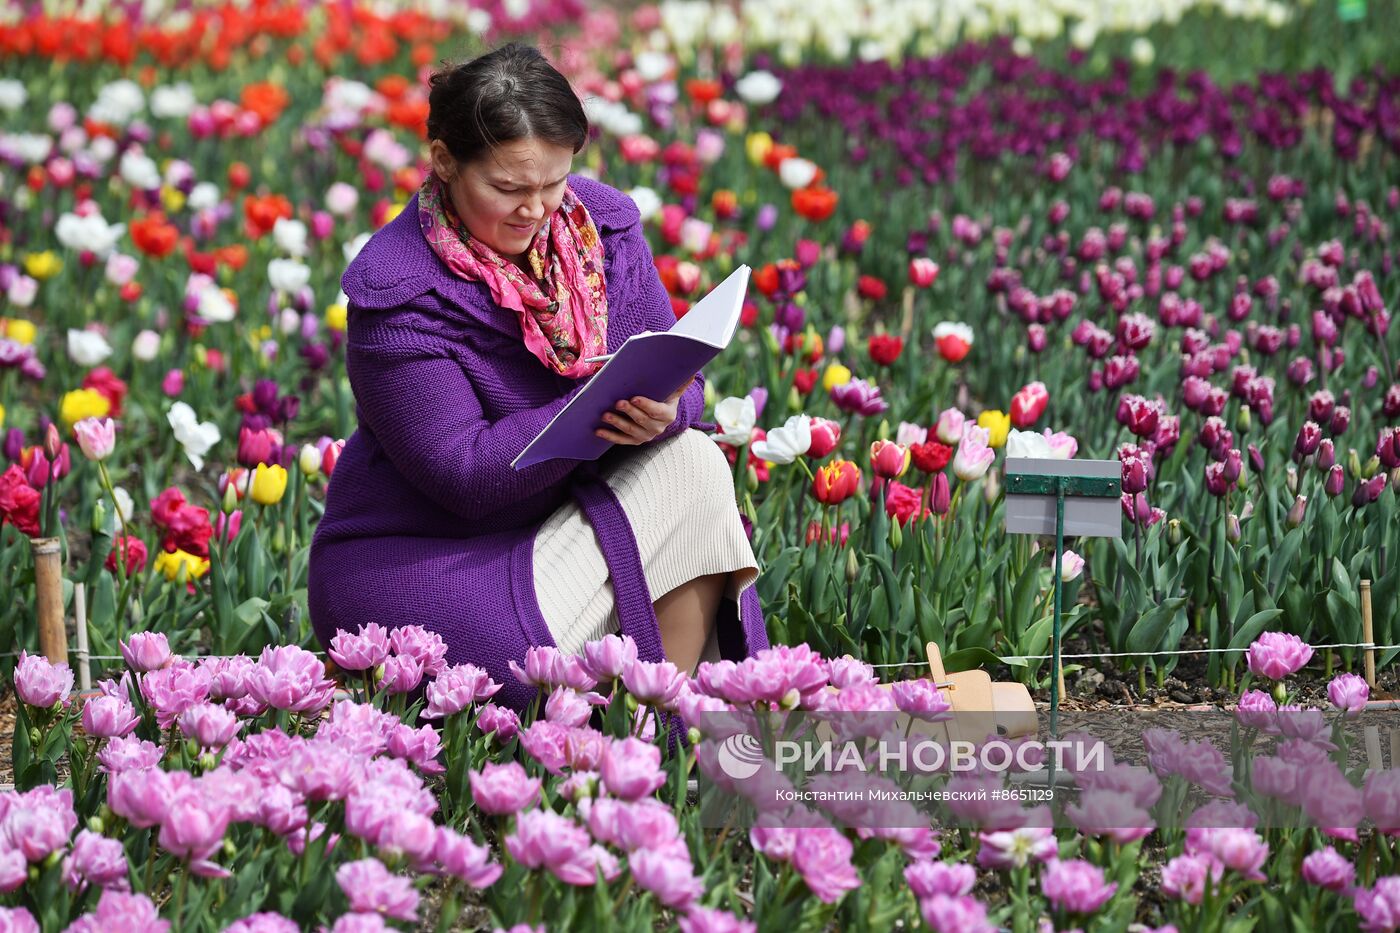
(638, 420)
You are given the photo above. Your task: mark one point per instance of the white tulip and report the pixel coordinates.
(1142, 51)
(290, 236)
(288, 322)
(124, 503)
(173, 101)
(118, 102)
(139, 171)
(735, 417)
(13, 95)
(653, 66)
(215, 307)
(785, 444)
(146, 346)
(352, 249)
(203, 196)
(1028, 444)
(194, 436)
(758, 88)
(795, 172)
(31, 148)
(347, 95)
(287, 275)
(90, 233)
(22, 291)
(648, 201)
(87, 348)
(341, 199)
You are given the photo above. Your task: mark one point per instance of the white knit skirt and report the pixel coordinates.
(678, 496)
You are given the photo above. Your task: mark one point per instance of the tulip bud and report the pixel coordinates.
(53, 444)
(991, 486)
(1326, 454)
(191, 748)
(751, 480)
(207, 762)
(794, 400)
(1232, 528)
(852, 567)
(99, 516)
(309, 460)
(279, 540)
(940, 496)
(1335, 482)
(1291, 479)
(1280, 693)
(1256, 459)
(1353, 463)
(36, 737)
(1295, 514)
(54, 858)
(229, 503)
(896, 535)
(1174, 533)
(1244, 420)
(631, 703)
(693, 736)
(1370, 467)
(95, 823)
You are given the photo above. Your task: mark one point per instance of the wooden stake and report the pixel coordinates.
(1373, 748)
(1367, 634)
(1395, 748)
(48, 582)
(81, 633)
(1060, 682)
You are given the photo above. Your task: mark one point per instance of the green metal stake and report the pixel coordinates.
(1055, 626)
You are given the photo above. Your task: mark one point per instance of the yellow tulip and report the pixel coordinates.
(335, 318)
(170, 564)
(836, 375)
(392, 211)
(172, 198)
(998, 425)
(757, 146)
(43, 265)
(2, 416)
(269, 484)
(83, 403)
(20, 331)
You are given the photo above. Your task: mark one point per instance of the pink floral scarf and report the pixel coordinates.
(563, 308)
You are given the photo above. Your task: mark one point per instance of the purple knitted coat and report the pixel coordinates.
(426, 522)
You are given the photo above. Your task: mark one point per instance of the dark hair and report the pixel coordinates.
(508, 94)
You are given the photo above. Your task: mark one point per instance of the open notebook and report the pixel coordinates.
(652, 364)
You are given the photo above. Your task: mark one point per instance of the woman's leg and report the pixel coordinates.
(686, 616)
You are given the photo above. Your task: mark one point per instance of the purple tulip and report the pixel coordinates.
(146, 651)
(119, 911)
(667, 873)
(19, 920)
(1369, 491)
(503, 789)
(653, 683)
(1335, 482)
(1379, 906)
(859, 396)
(1277, 655)
(461, 858)
(1328, 868)
(457, 688)
(40, 684)
(209, 725)
(95, 859)
(1075, 886)
(129, 753)
(929, 878)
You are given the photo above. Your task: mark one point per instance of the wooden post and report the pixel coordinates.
(1368, 634)
(48, 582)
(81, 634)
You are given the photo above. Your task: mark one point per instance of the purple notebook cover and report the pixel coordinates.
(652, 365)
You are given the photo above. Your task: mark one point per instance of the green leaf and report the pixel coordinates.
(969, 659)
(1253, 626)
(1151, 627)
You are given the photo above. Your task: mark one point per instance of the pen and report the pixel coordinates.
(598, 359)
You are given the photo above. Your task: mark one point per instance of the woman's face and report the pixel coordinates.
(504, 196)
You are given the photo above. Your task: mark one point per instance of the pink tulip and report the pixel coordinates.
(371, 888)
(631, 768)
(973, 457)
(1328, 868)
(711, 920)
(667, 872)
(503, 789)
(463, 859)
(946, 914)
(1075, 886)
(108, 717)
(653, 683)
(928, 878)
(502, 722)
(362, 651)
(608, 657)
(426, 647)
(950, 426)
(1277, 655)
(1349, 693)
(923, 272)
(146, 651)
(95, 859)
(290, 678)
(96, 437)
(40, 684)
(457, 688)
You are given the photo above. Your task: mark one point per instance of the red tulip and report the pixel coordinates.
(826, 435)
(888, 459)
(930, 457)
(836, 482)
(1029, 404)
(885, 348)
(923, 272)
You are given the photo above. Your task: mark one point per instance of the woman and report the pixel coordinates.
(473, 318)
